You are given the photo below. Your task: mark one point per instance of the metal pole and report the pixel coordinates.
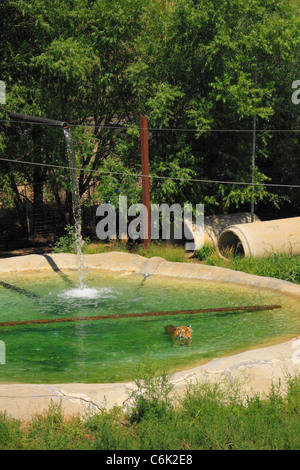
(38, 120)
(145, 181)
(253, 156)
(135, 315)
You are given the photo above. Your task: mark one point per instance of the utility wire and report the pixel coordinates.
(194, 180)
(170, 129)
(139, 175)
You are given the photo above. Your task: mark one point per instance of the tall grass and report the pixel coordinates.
(208, 416)
(164, 250)
(281, 266)
(169, 252)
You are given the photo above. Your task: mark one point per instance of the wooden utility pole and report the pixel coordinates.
(145, 181)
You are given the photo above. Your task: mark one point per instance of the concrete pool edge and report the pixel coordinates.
(254, 371)
(257, 368)
(127, 263)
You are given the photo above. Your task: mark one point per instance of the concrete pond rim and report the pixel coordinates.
(259, 367)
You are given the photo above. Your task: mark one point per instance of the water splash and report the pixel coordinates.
(83, 292)
(76, 206)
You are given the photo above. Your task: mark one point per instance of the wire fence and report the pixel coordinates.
(39, 212)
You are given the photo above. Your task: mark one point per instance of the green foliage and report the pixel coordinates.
(207, 417)
(164, 250)
(256, 193)
(278, 265)
(201, 61)
(150, 398)
(54, 431)
(66, 244)
(10, 433)
(187, 65)
(204, 252)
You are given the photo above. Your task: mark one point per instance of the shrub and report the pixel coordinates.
(66, 244)
(204, 252)
(151, 396)
(208, 416)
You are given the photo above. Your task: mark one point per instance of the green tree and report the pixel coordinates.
(193, 67)
(67, 60)
(200, 60)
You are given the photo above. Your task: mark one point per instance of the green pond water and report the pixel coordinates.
(109, 350)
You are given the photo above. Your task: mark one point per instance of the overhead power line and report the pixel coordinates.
(139, 175)
(158, 129)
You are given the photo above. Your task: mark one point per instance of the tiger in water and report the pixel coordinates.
(180, 334)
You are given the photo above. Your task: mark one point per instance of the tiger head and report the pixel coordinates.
(180, 332)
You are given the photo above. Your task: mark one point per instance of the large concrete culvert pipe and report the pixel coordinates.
(213, 227)
(259, 239)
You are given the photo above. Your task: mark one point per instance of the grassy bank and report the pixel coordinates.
(209, 416)
(281, 266)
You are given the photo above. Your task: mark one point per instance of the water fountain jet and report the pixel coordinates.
(74, 181)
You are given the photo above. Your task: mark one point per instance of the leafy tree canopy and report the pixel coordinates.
(194, 67)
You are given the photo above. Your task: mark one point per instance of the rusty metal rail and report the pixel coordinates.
(149, 314)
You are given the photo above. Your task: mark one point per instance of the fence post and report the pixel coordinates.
(145, 181)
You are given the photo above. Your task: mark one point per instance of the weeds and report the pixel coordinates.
(281, 266)
(151, 396)
(204, 252)
(208, 416)
(66, 244)
(169, 252)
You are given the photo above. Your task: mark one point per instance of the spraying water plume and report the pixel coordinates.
(76, 206)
